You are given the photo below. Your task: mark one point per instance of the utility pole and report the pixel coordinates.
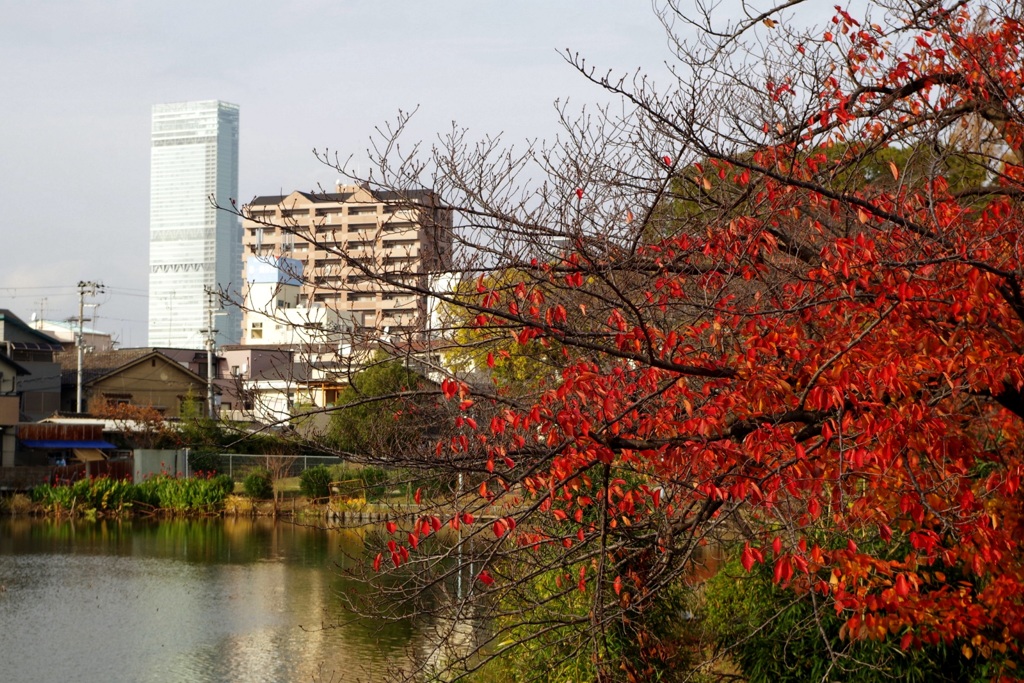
(211, 335)
(92, 289)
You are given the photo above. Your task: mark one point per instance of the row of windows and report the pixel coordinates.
(372, 296)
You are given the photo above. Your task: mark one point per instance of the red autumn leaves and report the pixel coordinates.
(848, 380)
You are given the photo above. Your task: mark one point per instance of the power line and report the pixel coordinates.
(24, 295)
(126, 289)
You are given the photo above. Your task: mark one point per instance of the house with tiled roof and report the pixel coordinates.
(160, 378)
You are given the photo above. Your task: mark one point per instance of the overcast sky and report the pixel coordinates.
(78, 79)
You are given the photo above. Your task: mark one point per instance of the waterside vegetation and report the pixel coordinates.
(119, 497)
(318, 491)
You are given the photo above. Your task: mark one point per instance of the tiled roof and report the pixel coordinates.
(96, 364)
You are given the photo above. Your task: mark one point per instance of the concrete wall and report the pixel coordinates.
(150, 462)
(7, 447)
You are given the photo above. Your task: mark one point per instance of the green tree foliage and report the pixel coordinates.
(387, 407)
(315, 481)
(492, 348)
(776, 636)
(258, 484)
(697, 193)
(208, 438)
(663, 652)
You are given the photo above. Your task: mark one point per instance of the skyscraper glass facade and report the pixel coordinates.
(193, 246)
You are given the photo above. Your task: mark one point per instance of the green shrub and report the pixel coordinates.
(315, 482)
(225, 483)
(544, 617)
(258, 484)
(776, 636)
(374, 481)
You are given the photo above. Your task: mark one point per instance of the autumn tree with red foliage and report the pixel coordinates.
(141, 426)
(786, 296)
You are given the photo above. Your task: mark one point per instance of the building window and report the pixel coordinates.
(256, 331)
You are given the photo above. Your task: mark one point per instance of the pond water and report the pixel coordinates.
(202, 601)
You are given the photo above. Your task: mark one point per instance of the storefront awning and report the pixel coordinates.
(89, 454)
(58, 444)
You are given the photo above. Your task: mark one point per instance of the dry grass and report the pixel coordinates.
(238, 505)
(19, 504)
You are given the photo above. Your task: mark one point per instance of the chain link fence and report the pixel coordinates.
(237, 465)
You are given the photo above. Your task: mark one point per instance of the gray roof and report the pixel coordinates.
(8, 317)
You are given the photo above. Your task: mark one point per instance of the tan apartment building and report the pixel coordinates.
(341, 237)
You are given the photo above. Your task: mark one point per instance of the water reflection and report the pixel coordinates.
(204, 600)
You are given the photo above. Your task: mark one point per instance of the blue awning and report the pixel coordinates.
(55, 444)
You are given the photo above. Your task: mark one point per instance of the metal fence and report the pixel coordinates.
(237, 465)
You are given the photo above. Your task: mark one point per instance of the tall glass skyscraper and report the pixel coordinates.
(192, 245)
